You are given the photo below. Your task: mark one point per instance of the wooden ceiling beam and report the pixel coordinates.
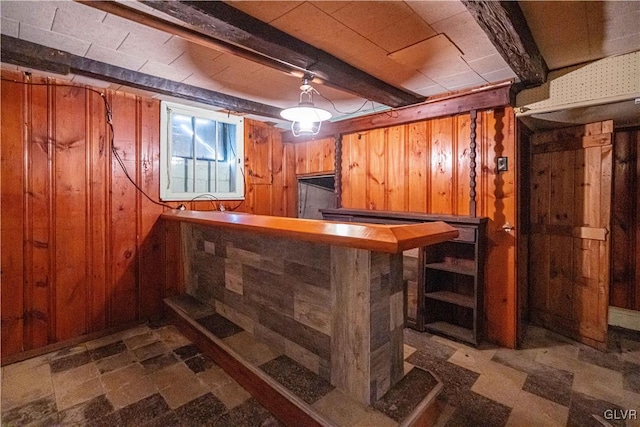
(505, 25)
(491, 97)
(23, 53)
(223, 22)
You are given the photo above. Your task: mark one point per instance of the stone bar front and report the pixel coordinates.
(328, 295)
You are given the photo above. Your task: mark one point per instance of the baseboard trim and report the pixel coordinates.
(624, 318)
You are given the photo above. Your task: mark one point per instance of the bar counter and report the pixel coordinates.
(328, 295)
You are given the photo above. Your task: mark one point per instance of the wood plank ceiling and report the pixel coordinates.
(399, 51)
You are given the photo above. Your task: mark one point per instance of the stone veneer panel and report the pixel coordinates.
(291, 295)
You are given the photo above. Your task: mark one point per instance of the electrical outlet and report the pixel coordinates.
(502, 164)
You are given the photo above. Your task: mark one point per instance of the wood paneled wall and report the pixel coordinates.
(81, 247)
(315, 157)
(424, 167)
(625, 221)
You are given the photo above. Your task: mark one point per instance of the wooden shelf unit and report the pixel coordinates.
(444, 282)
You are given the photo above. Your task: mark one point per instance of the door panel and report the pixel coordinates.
(570, 222)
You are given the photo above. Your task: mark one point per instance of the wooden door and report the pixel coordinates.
(569, 222)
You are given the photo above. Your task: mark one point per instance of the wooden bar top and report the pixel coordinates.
(373, 237)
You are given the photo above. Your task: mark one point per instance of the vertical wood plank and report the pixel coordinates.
(562, 185)
(376, 143)
(290, 192)
(350, 334)
(315, 159)
(123, 288)
(99, 155)
(328, 155)
(418, 165)
(356, 169)
(301, 157)
(11, 207)
(278, 197)
(70, 212)
(622, 221)
(396, 185)
(636, 292)
(37, 285)
(500, 203)
(441, 165)
(150, 273)
(258, 152)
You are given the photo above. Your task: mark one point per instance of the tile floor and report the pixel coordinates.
(153, 376)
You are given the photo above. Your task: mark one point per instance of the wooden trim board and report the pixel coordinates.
(373, 237)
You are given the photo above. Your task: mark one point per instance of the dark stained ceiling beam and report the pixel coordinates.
(23, 53)
(491, 97)
(506, 27)
(223, 22)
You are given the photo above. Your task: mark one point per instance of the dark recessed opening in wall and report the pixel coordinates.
(315, 193)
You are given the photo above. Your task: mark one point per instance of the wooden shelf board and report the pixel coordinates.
(452, 268)
(452, 297)
(451, 330)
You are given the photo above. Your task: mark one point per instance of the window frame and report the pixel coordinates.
(166, 192)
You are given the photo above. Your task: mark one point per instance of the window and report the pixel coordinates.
(201, 154)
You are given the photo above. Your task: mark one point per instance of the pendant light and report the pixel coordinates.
(306, 118)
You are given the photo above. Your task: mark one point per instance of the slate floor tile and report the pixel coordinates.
(479, 411)
(31, 412)
(160, 362)
(220, 326)
(249, 414)
(107, 350)
(583, 408)
(143, 411)
(552, 384)
(457, 380)
(70, 362)
(187, 351)
(199, 363)
(405, 396)
(93, 410)
(298, 379)
(202, 411)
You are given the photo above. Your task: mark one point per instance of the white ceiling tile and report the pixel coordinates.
(438, 49)
(330, 6)
(266, 11)
(395, 37)
(369, 17)
(83, 24)
(308, 23)
(440, 70)
(53, 40)
(200, 60)
(114, 57)
(346, 44)
(619, 26)
(464, 80)
(500, 75)
(432, 90)
(152, 46)
(204, 82)
(128, 26)
(37, 13)
(417, 82)
(619, 46)
(165, 71)
(488, 64)
(9, 27)
(434, 11)
(463, 30)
